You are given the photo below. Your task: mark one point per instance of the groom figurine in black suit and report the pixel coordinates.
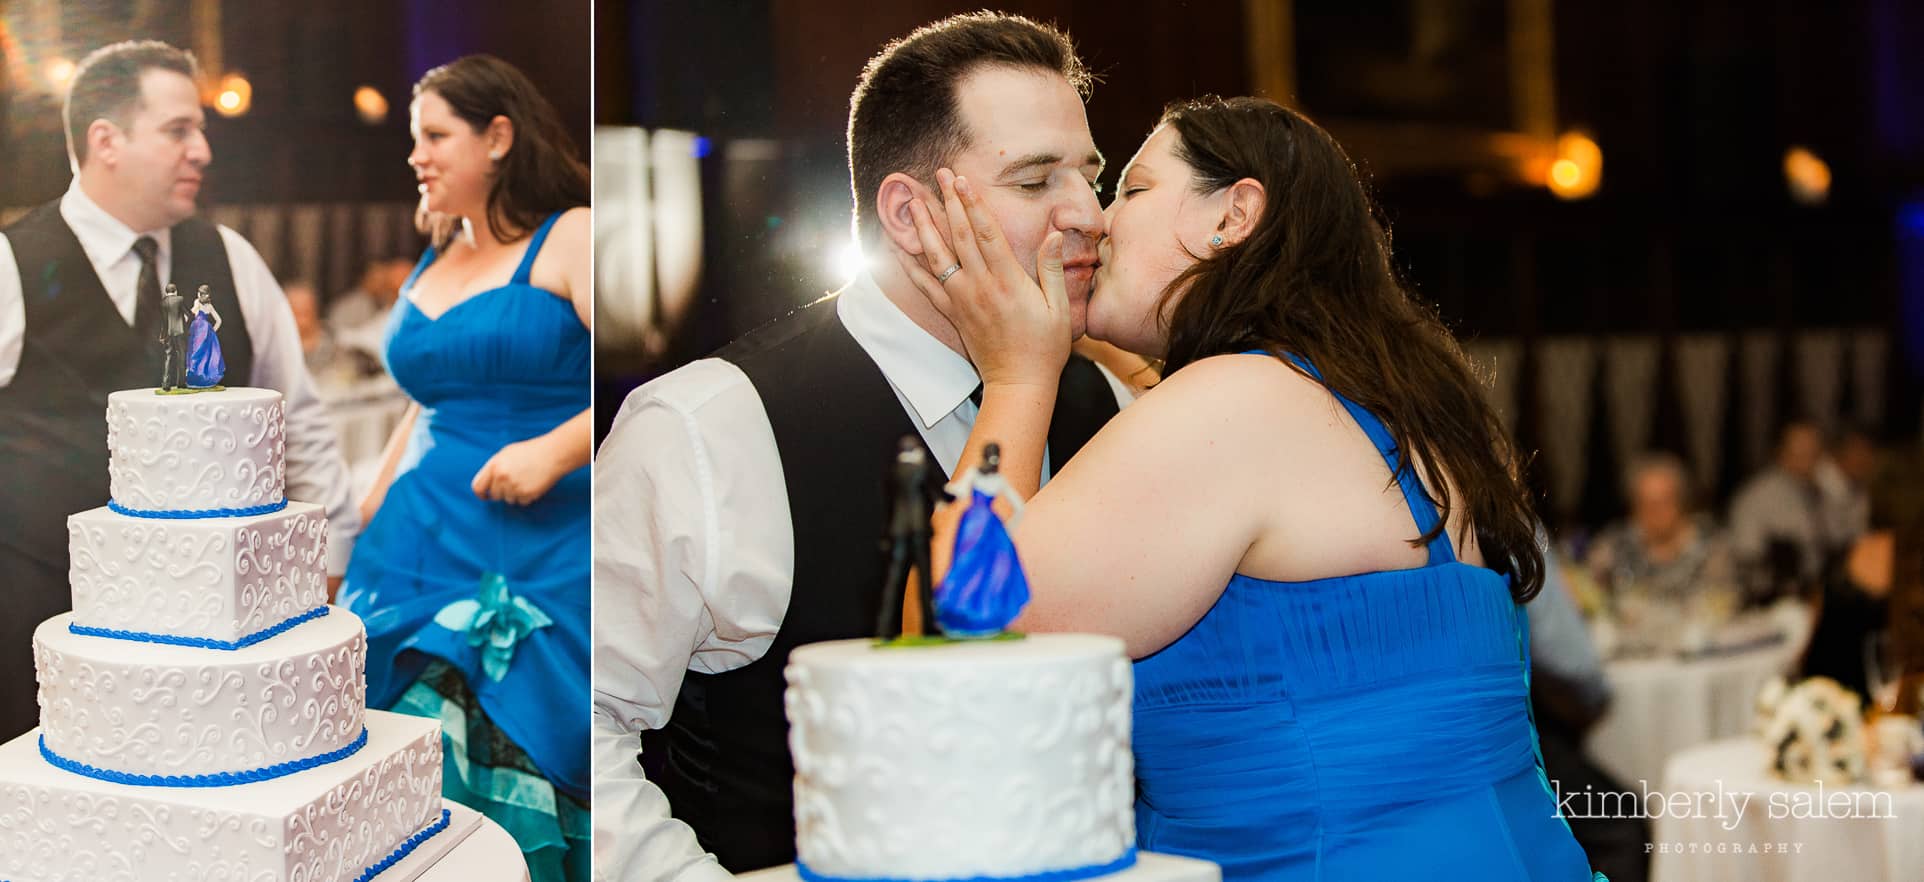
(739, 500)
(174, 371)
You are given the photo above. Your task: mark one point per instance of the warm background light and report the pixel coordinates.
(59, 71)
(1578, 169)
(235, 95)
(371, 105)
(1807, 176)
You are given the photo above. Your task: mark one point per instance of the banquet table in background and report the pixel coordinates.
(365, 412)
(1661, 705)
(1786, 832)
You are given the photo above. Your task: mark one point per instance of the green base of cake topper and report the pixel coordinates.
(189, 390)
(911, 641)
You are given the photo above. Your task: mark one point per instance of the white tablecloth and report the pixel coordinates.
(365, 413)
(1659, 706)
(1785, 832)
(1150, 867)
(488, 854)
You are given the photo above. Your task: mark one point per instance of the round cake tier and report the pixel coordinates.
(998, 758)
(216, 452)
(222, 579)
(141, 708)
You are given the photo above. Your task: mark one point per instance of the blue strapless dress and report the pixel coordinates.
(440, 575)
(205, 366)
(1373, 727)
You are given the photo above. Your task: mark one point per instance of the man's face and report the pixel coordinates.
(1032, 159)
(1656, 504)
(1801, 447)
(158, 158)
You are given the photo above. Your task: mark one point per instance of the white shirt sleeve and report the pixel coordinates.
(693, 565)
(316, 472)
(13, 314)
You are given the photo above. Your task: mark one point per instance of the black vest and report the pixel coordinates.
(726, 770)
(53, 416)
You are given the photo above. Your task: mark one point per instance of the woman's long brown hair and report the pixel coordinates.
(1314, 278)
(542, 173)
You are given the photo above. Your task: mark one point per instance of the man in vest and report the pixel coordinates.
(739, 500)
(81, 282)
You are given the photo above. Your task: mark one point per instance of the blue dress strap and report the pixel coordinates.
(1421, 510)
(427, 258)
(534, 247)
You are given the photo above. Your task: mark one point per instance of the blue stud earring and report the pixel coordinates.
(1216, 241)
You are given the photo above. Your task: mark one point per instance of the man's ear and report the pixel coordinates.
(892, 201)
(1243, 210)
(103, 142)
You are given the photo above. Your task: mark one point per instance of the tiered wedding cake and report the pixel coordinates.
(203, 711)
(979, 759)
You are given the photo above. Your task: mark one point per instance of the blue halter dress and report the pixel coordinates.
(1372, 727)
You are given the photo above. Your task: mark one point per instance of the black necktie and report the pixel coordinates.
(148, 321)
(976, 396)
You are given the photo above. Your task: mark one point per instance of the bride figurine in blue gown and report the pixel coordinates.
(205, 366)
(1310, 535)
(472, 572)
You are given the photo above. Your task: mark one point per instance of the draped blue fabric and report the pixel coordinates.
(985, 588)
(505, 365)
(1367, 727)
(205, 365)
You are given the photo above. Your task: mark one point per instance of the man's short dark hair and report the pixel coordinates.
(106, 86)
(904, 117)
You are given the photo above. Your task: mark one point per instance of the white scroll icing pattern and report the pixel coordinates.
(940, 772)
(218, 716)
(218, 450)
(53, 834)
(218, 578)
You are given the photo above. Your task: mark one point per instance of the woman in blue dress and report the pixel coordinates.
(472, 572)
(1310, 535)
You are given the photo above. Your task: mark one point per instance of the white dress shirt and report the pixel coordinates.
(315, 470)
(694, 555)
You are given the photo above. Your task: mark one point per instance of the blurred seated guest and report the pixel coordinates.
(1569, 694)
(317, 345)
(1777, 530)
(1844, 476)
(1663, 552)
(358, 317)
(1856, 590)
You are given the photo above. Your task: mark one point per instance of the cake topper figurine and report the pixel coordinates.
(985, 588)
(173, 368)
(205, 366)
(908, 540)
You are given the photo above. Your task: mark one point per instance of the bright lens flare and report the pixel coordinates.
(848, 262)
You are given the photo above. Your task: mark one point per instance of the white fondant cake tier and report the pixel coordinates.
(195, 452)
(1000, 758)
(216, 578)
(152, 709)
(327, 824)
